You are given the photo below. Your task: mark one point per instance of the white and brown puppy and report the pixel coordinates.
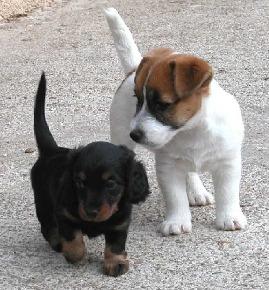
(170, 104)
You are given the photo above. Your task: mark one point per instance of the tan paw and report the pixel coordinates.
(115, 264)
(74, 251)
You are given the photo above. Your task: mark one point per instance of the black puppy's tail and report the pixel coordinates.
(45, 141)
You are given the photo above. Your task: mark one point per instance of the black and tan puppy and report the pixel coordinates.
(89, 190)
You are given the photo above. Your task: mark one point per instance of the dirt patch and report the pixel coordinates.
(19, 8)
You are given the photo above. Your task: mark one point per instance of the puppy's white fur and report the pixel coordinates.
(210, 141)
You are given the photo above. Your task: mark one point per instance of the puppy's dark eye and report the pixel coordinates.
(152, 94)
(111, 184)
(161, 106)
(154, 101)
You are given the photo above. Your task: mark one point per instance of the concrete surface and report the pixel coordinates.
(71, 42)
(17, 8)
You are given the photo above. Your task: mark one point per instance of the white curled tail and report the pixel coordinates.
(127, 50)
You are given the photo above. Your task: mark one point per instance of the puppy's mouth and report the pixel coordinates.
(151, 146)
(103, 214)
(143, 141)
(161, 137)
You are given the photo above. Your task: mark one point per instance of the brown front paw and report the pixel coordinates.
(116, 269)
(115, 264)
(74, 250)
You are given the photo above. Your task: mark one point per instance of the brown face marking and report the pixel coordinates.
(115, 264)
(146, 64)
(161, 80)
(74, 251)
(188, 107)
(182, 81)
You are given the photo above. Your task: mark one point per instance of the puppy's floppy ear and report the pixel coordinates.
(189, 73)
(138, 186)
(136, 178)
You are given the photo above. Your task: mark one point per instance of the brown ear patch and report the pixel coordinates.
(189, 73)
(191, 78)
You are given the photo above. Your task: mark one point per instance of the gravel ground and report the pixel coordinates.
(17, 8)
(71, 42)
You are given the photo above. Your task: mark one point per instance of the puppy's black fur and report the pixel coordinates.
(89, 190)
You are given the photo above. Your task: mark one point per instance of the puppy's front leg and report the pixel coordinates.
(73, 246)
(171, 176)
(229, 215)
(196, 191)
(116, 262)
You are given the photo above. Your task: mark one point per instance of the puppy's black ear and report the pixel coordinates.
(138, 186)
(136, 177)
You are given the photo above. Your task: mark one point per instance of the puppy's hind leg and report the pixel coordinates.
(44, 212)
(121, 113)
(49, 228)
(197, 194)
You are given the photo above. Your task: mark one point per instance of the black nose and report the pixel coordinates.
(137, 135)
(91, 213)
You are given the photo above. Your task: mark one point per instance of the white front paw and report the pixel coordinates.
(201, 197)
(175, 226)
(231, 220)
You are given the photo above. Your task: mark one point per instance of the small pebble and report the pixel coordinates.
(29, 150)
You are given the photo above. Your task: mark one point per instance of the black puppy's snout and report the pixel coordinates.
(137, 135)
(91, 213)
